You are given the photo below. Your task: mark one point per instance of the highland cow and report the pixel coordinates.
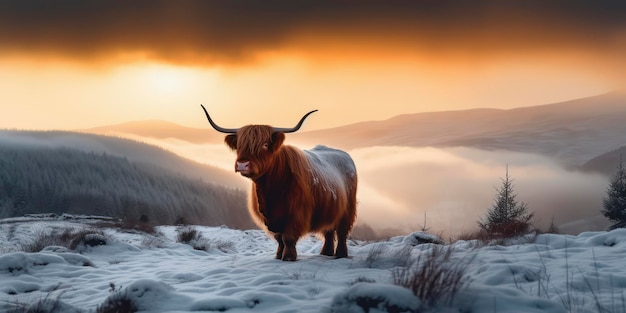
(295, 192)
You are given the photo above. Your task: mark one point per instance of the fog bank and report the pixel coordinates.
(454, 186)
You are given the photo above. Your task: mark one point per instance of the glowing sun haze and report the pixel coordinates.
(78, 64)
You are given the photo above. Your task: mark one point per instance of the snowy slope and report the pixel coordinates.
(557, 273)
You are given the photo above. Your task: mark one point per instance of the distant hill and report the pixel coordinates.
(572, 131)
(606, 163)
(46, 172)
(591, 223)
(159, 130)
(130, 149)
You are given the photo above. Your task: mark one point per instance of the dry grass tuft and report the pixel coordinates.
(48, 304)
(189, 235)
(117, 302)
(68, 238)
(433, 276)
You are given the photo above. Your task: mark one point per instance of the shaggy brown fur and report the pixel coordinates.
(295, 192)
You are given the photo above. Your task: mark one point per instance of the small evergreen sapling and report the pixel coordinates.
(614, 204)
(507, 217)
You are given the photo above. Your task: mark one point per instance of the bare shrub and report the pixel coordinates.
(553, 228)
(433, 276)
(68, 238)
(44, 239)
(48, 304)
(149, 241)
(117, 302)
(187, 235)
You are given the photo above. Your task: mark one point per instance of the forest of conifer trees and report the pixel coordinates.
(63, 180)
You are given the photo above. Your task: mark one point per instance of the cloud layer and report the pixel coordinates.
(236, 31)
(456, 187)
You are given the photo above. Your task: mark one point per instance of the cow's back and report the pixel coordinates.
(333, 183)
(332, 163)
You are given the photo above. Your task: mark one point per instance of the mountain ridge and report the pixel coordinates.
(573, 131)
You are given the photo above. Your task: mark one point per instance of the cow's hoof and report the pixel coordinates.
(341, 255)
(287, 257)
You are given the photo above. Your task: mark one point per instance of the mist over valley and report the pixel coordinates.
(449, 164)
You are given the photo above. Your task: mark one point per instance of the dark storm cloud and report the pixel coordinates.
(234, 30)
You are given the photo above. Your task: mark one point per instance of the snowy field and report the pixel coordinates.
(237, 273)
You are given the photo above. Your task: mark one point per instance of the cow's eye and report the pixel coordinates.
(265, 146)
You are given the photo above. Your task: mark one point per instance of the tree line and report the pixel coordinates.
(64, 180)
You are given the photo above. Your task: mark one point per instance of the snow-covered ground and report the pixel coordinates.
(237, 273)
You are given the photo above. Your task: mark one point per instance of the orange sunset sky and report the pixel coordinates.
(79, 64)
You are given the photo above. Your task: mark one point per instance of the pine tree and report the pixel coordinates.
(507, 217)
(614, 204)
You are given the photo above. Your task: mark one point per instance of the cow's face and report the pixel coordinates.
(256, 146)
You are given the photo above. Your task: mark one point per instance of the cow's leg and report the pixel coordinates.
(281, 246)
(346, 222)
(342, 237)
(329, 243)
(289, 253)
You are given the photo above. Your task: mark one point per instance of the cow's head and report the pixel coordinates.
(256, 145)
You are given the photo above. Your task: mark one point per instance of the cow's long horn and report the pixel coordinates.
(294, 129)
(217, 127)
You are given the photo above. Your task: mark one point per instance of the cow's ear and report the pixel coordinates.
(277, 140)
(231, 141)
